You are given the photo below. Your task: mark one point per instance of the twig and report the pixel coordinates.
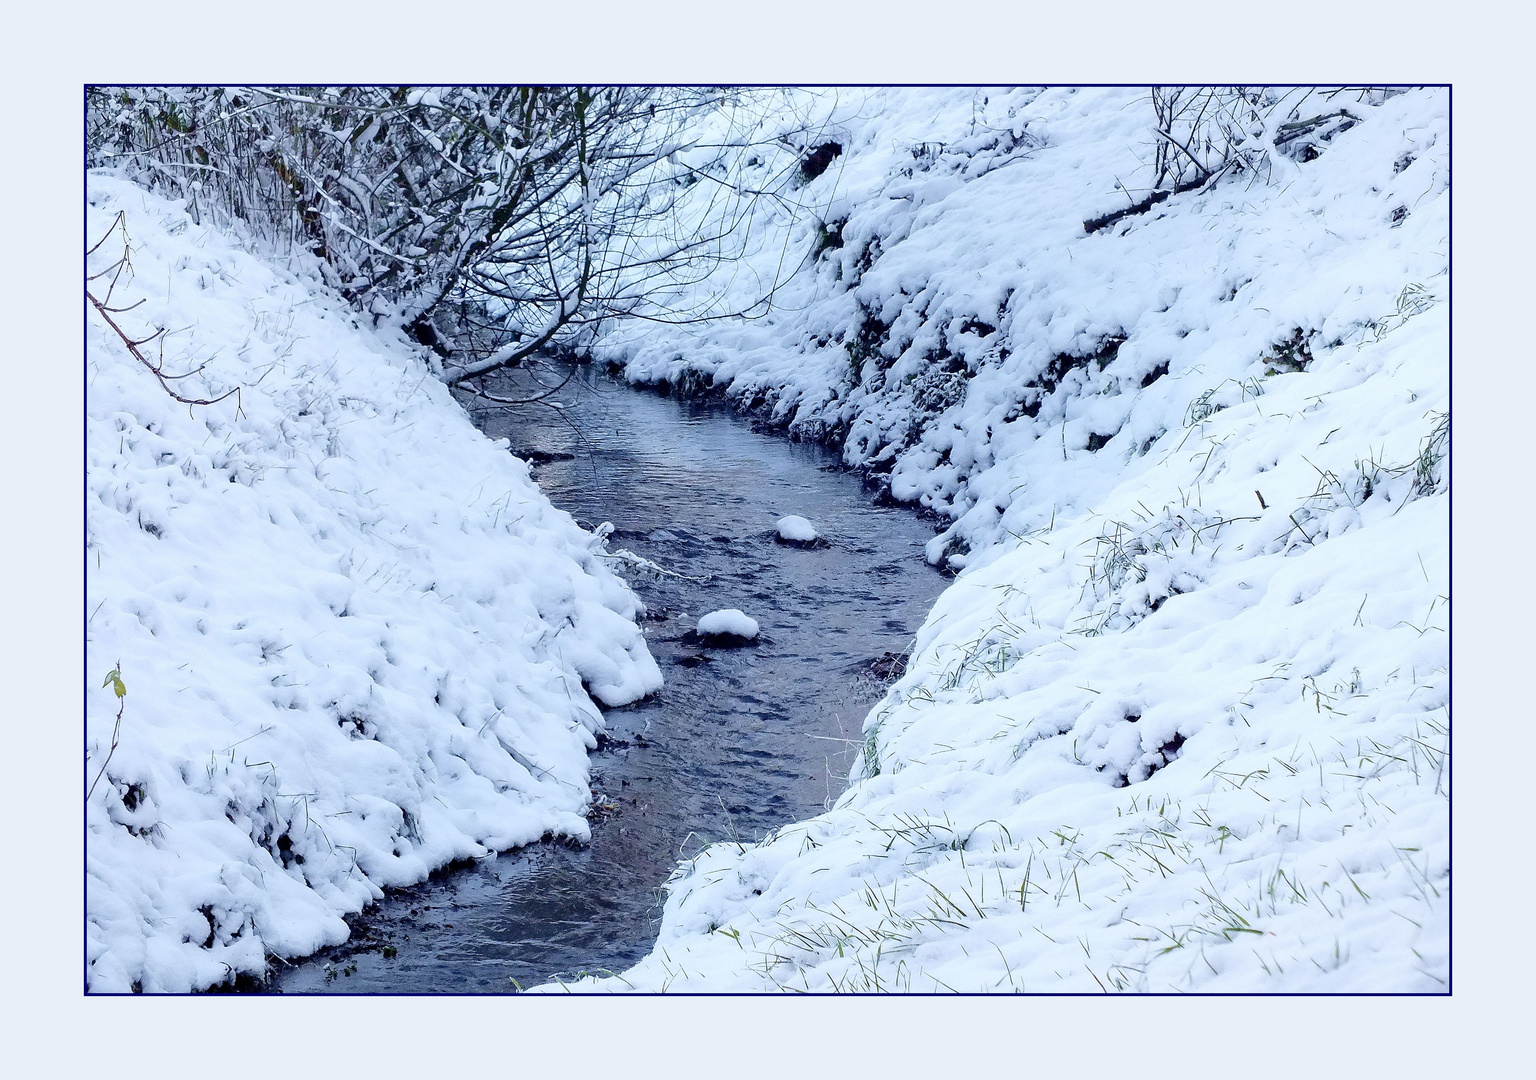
(114, 678)
(133, 348)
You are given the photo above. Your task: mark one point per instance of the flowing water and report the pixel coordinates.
(738, 742)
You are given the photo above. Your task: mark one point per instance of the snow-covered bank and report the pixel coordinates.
(1182, 723)
(356, 641)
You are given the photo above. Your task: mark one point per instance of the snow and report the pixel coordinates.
(357, 642)
(1181, 723)
(797, 529)
(728, 622)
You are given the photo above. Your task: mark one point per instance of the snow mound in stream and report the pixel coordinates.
(357, 642)
(728, 623)
(797, 530)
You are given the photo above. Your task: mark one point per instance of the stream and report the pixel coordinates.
(737, 743)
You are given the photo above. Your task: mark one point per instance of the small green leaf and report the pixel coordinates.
(114, 679)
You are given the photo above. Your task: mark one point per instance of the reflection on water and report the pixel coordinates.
(738, 742)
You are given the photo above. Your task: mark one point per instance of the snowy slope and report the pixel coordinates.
(1182, 721)
(356, 641)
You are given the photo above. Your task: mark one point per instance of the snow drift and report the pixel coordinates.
(1182, 722)
(357, 643)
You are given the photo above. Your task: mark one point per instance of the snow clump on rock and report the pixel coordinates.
(728, 623)
(797, 530)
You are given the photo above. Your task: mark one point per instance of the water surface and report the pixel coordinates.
(738, 742)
